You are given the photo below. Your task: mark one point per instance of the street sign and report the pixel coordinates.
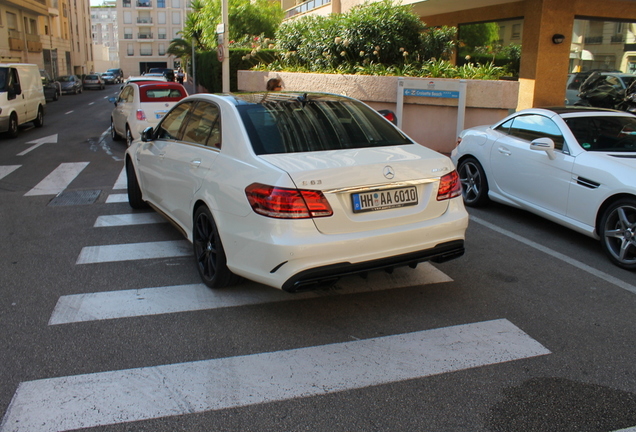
(219, 52)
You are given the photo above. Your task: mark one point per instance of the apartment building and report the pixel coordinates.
(146, 28)
(54, 34)
(105, 35)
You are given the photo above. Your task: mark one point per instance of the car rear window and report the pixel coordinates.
(604, 133)
(289, 123)
(161, 94)
(91, 77)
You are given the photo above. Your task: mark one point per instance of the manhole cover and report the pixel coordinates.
(68, 198)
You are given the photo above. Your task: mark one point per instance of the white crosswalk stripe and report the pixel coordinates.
(105, 398)
(116, 198)
(128, 219)
(134, 251)
(58, 180)
(184, 298)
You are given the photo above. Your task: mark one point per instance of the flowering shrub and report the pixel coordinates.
(380, 38)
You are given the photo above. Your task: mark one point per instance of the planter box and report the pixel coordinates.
(429, 121)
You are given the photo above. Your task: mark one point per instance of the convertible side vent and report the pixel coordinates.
(587, 183)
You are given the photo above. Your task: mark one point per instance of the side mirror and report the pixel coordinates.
(146, 135)
(544, 144)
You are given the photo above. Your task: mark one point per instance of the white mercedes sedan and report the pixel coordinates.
(293, 190)
(575, 166)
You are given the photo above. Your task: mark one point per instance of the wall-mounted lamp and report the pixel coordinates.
(557, 39)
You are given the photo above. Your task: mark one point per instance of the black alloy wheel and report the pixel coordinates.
(474, 183)
(209, 253)
(618, 233)
(135, 197)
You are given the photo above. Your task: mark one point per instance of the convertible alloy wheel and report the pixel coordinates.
(474, 183)
(209, 253)
(618, 233)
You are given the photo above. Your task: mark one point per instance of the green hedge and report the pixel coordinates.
(209, 71)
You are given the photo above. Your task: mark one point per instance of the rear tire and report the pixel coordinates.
(135, 198)
(474, 182)
(209, 253)
(39, 119)
(12, 132)
(618, 233)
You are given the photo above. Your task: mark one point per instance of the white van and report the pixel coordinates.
(21, 97)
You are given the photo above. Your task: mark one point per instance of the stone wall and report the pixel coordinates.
(429, 121)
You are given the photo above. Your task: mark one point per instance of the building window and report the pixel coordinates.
(161, 33)
(12, 21)
(162, 49)
(161, 3)
(176, 4)
(131, 50)
(161, 17)
(145, 50)
(176, 18)
(516, 31)
(127, 17)
(128, 33)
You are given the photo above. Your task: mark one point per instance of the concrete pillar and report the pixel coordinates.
(544, 64)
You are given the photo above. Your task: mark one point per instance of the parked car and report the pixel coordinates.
(167, 72)
(296, 189)
(618, 79)
(574, 166)
(108, 78)
(52, 89)
(118, 73)
(142, 104)
(70, 84)
(93, 81)
(21, 97)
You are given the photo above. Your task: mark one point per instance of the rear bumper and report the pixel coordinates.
(309, 279)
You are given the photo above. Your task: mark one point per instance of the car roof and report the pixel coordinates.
(246, 98)
(158, 84)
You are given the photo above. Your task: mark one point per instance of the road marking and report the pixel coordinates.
(186, 298)
(134, 251)
(58, 180)
(586, 268)
(105, 398)
(91, 103)
(121, 182)
(68, 112)
(52, 139)
(117, 198)
(128, 219)
(5, 170)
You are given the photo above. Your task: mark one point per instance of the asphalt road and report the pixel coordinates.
(106, 327)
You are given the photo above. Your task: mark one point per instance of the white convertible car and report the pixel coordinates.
(575, 166)
(293, 189)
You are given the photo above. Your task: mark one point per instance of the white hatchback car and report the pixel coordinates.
(295, 189)
(141, 104)
(575, 166)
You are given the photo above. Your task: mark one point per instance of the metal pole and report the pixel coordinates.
(194, 69)
(225, 65)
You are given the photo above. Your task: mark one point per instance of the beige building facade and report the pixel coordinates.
(105, 36)
(54, 34)
(557, 36)
(146, 28)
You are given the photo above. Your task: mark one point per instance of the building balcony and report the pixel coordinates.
(144, 21)
(144, 36)
(16, 44)
(162, 36)
(305, 7)
(617, 38)
(143, 4)
(145, 53)
(594, 40)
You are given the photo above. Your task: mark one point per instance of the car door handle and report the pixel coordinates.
(504, 151)
(195, 163)
(161, 155)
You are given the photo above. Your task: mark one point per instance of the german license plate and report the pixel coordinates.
(384, 199)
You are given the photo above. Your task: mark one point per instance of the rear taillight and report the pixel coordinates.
(141, 115)
(449, 186)
(286, 203)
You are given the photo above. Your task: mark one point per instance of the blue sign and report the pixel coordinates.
(432, 93)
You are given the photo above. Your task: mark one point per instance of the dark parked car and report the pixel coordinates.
(119, 74)
(167, 72)
(108, 78)
(70, 84)
(52, 89)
